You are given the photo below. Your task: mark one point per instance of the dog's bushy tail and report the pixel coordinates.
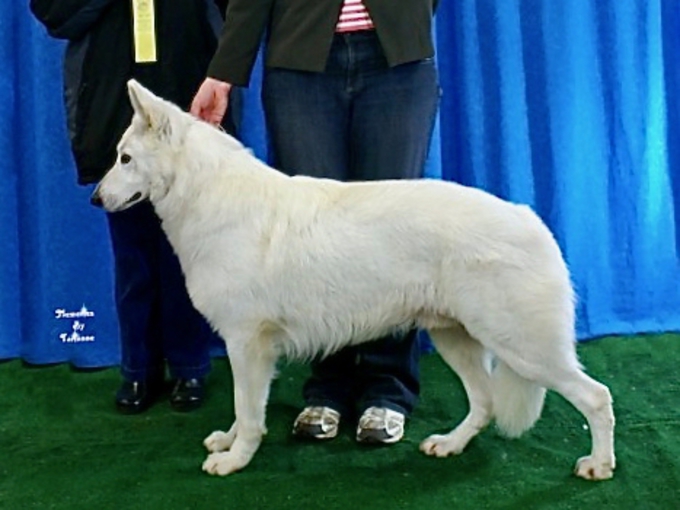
(517, 402)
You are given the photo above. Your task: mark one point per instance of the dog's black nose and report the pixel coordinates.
(95, 199)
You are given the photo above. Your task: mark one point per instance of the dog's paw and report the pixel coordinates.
(218, 441)
(591, 468)
(221, 463)
(441, 446)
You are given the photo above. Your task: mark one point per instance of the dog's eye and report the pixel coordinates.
(125, 159)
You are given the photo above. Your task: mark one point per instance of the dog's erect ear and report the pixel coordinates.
(151, 108)
(142, 99)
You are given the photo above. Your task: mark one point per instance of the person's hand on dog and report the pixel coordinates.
(211, 101)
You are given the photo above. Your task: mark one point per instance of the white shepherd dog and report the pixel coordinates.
(300, 266)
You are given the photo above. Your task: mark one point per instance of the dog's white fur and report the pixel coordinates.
(300, 266)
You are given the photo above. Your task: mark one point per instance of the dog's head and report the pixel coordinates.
(147, 152)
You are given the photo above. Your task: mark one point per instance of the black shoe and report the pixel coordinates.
(187, 394)
(135, 397)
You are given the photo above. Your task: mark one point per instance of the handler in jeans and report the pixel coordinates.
(350, 92)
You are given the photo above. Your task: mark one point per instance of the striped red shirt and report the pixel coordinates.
(353, 17)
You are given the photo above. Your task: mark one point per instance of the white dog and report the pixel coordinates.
(300, 266)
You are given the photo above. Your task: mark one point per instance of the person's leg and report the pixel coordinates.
(233, 118)
(307, 119)
(393, 116)
(392, 119)
(186, 334)
(306, 116)
(387, 373)
(134, 243)
(332, 382)
(388, 384)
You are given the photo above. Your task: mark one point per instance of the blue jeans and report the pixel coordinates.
(358, 120)
(158, 324)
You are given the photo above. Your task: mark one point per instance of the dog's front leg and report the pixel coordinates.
(253, 365)
(220, 441)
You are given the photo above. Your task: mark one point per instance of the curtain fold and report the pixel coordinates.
(670, 15)
(565, 106)
(10, 310)
(61, 282)
(571, 107)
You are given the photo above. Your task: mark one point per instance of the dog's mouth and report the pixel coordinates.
(133, 199)
(96, 200)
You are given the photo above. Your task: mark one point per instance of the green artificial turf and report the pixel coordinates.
(63, 446)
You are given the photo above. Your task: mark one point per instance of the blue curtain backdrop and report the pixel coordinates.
(570, 106)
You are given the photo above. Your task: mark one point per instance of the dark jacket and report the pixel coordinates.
(99, 61)
(300, 32)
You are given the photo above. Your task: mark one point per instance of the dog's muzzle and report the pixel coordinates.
(96, 199)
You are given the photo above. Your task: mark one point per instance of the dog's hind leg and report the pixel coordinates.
(594, 401)
(465, 356)
(253, 364)
(590, 397)
(550, 362)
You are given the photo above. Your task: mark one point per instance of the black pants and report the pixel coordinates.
(158, 323)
